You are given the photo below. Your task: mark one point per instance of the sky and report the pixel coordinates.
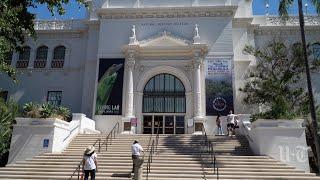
(76, 11)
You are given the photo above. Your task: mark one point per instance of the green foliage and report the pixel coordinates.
(285, 4)
(63, 112)
(46, 110)
(8, 111)
(16, 24)
(275, 81)
(31, 110)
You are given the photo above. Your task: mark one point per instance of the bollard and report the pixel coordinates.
(138, 168)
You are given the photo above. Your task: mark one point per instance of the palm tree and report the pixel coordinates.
(283, 11)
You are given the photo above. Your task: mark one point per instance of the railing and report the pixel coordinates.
(22, 63)
(57, 63)
(292, 21)
(208, 144)
(153, 149)
(108, 141)
(39, 64)
(58, 25)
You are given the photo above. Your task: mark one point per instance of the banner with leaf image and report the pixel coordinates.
(109, 88)
(219, 88)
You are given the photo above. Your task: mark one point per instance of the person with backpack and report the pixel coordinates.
(89, 163)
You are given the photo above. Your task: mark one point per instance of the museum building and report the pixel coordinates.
(147, 64)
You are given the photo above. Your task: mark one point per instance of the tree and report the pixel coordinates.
(276, 81)
(16, 24)
(283, 11)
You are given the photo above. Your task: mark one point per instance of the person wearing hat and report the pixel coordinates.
(89, 163)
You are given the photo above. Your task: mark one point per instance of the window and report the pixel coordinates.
(316, 51)
(41, 57)
(4, 95)
(54, 97)
(164, 93)
(58, 57)
(8, 58)
(24, 57)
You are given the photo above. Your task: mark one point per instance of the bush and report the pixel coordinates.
(8, 111)
(31, 110)
(46, 110)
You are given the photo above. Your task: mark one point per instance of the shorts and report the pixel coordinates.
(230, 125)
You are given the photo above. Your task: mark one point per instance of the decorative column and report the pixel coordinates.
(130, 61)
(197, 87)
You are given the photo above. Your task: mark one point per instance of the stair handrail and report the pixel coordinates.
(111, 134)
(212, 152)
(153, 149)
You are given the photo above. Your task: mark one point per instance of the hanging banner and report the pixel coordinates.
(219, 89)
(109, 88)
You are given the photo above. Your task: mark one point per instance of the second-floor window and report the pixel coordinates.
(41, 57)
(59, 54)
(24, 57)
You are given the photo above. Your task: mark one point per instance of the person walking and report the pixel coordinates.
(89, 163)
(136, 149)
(231, 124)
(218, 123)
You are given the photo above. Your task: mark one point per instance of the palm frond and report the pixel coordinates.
(283, 8)
(316, 4)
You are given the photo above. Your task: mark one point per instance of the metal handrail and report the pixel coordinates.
(209, 144)
(111, 135)
(153, 149)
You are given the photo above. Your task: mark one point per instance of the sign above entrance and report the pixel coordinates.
(109, 88)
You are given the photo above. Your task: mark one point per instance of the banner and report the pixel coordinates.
(219, 89)
(109, 88)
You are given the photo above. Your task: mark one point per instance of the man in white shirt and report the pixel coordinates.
(231, 123)
(136, 149)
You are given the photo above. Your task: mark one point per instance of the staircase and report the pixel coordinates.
(177, 157)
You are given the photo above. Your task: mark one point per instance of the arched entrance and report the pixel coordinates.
(164, 105)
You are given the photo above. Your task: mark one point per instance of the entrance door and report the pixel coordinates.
(147, 124)
(179, 124)
(169, 125)
(158, 123)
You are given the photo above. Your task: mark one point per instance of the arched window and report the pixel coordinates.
(24, 57)
(164, 93)
(8, 58)
(58, 57)
(41, 57)
(316, 51)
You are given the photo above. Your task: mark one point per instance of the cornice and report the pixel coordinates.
(167, 12)
(284, 30)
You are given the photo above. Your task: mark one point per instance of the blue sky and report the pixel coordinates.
(76, 11)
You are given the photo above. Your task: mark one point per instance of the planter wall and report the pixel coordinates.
(283, 140)
(31, 137)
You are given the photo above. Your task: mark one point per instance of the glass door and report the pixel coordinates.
(169, 125)
(147, 124)
(158, 123)
(179, 124)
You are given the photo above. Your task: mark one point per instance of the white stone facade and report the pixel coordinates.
(169, 36)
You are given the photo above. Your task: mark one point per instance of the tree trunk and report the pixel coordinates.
(310, 93)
